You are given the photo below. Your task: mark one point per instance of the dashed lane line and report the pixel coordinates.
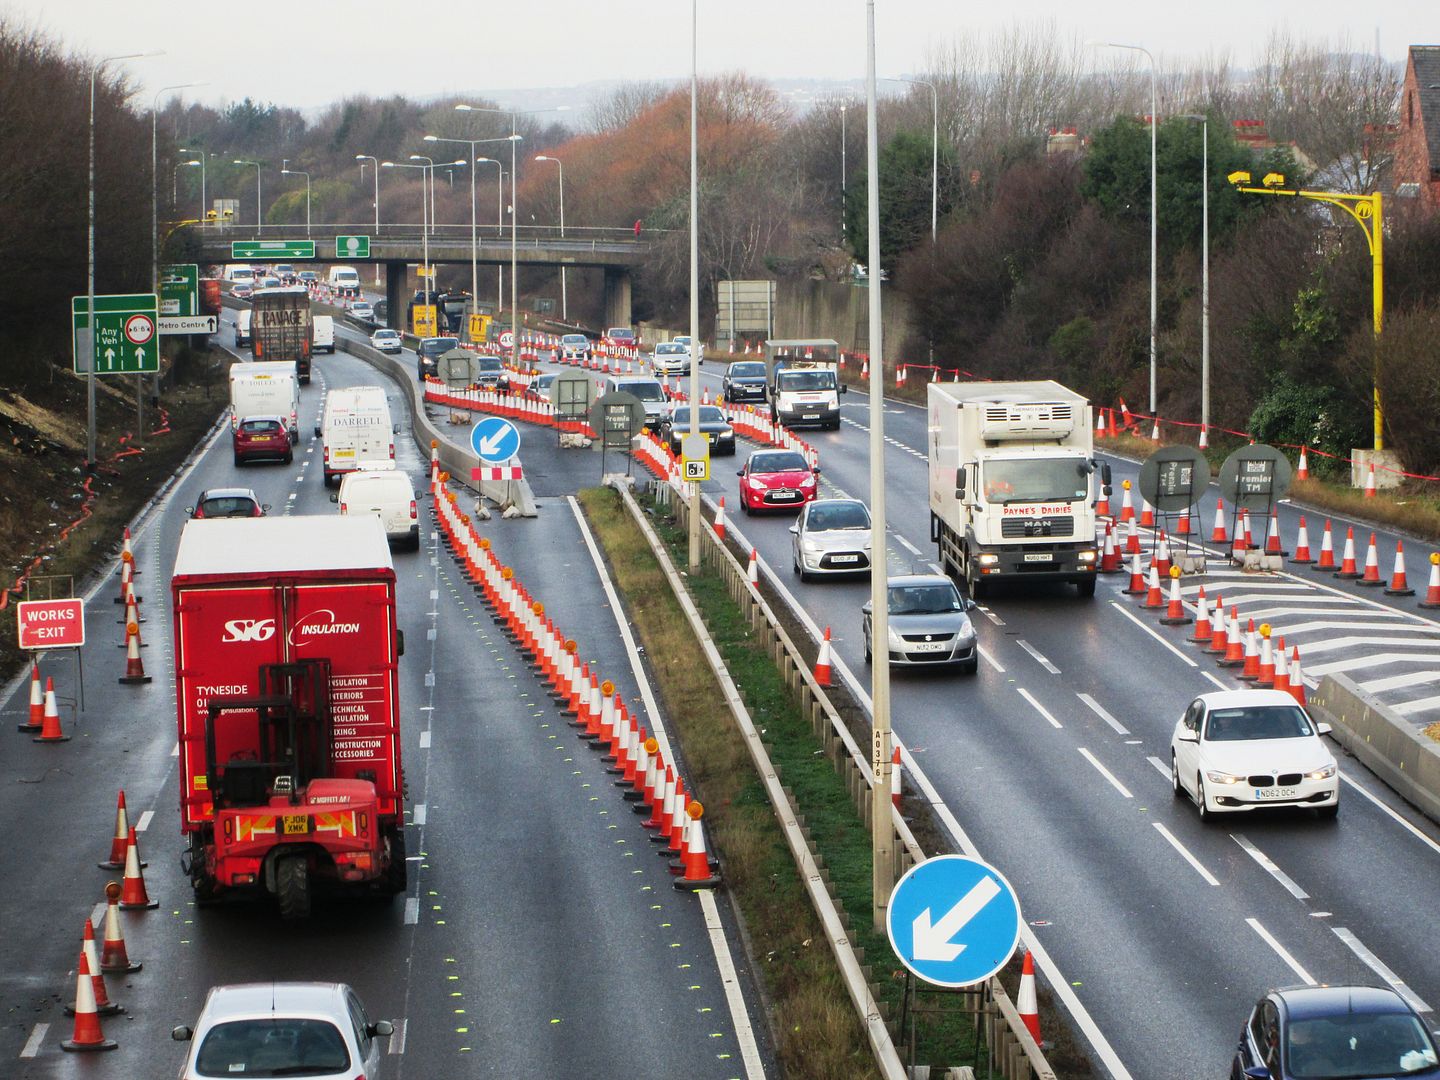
(1038, 656)
(1375, 964)
(1281, 952)
(1100, 711)
(1106, 773)
(1038, 707)
(1195, 864)
(1286, 881)
(1153, 633)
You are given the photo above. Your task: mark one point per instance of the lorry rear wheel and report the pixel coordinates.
(395, 873)
(292, 887)
(974, 586)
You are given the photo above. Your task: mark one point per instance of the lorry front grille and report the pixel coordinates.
(1019, 528)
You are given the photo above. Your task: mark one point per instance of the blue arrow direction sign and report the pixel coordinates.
(495, 439)
(953, 921)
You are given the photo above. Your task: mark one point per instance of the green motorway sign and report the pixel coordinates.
(125, 329)
(180, 289)
(272, 249)
(352, 247)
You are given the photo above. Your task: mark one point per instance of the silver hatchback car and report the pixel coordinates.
(929, 624)
(831, 537)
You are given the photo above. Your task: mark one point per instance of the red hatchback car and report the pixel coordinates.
(777, 480)
(262, 437)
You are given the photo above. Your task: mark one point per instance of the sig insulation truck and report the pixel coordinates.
(287, 662)
(1011, 492)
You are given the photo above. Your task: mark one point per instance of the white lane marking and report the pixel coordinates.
(419, 814)
(1038, 707)
(1375, 964)
(739, 1015)
(906, 544)
(425, 740)
(1418, 705)
(175, 750)
(990, 659)
(1356, 640)
(1281, 951)
(1216, 680)
(1038, 656)
(32, 1044)
(434, 594)
(1285, 880)
(412, 910)
(991, 615)
(1106, 773)
(936, 568)
(1400, 682)
(1407, 826)
(144, 822)
(97, 917)
(397, 1041)
(1095, 707)
(1160, 765)
(1364, 663)
(1185, 854)
(1151, 631)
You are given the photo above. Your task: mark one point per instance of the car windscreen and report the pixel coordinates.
(805, 380)
(226, 506)
(1258, 722)
(1038, 480)
(436, 346)
(488, 363)
(669, 349)
(1355, 1044)
(260, 427)
(645, 391)
(747, 371)
(280, 1046)
(771, 463)
(574, 339)
(386, 335)
(709, 414)
(923, 599)
(837, 516)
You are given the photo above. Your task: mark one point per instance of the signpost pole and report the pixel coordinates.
(695, 516)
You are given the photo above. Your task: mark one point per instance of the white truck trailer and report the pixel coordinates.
(1013, 483)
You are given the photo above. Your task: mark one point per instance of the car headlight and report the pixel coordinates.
(967, 633)
(988, 559)
(896, 642)
(1215, 776)
(811, 547)
(1324, 773)
(808, 482)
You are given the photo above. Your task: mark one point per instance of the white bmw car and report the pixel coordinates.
(1239, 750)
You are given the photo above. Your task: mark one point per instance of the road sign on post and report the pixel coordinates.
(125, 329)
(352, 247)
(51, 624)
(495, 439)
(695, 457)
(953, 921)
(180, 289)
(272, 249)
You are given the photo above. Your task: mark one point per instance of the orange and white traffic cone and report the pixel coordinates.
(1175, 610)
(1370, 482)
(1219, 534)
(1182, 527)
(50, 722)
(121, 838)
(1251, 669)
(1282, 669)
(1302, 545)
(1204, 443)
(895, 778)
(103, 1005)
(822, 662)
(1132, 538)
(1162, 554)
(1297, 680)
(1203, 632)
(1154, 598)
(664, 807)
(127, 571)
(1371, 575)
(1137, 578)
(1432, 590)
(1155, 430)
(1327, 550)
(1100, 423)
(132, 888)
(134, 669)
(1218, 636)
(752, 574)
(1234, 642)
(1147, 513)
(1127, 508)
(87, 1034)
(1110, 561)
(36, 720)
(1302, 471)
(1347, 560)
(1245, 530)
(1266, 676)
(1272, 539)
(695, 869)
(1398, 585)
(1025, 1003)
(113, 957)
(1102, 504)
(720, 519)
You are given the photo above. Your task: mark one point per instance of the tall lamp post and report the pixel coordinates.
(424, 222)
(427, 186)
(301, 172)
(564, 291)
(1154, 125)
(843, 228)
(694, 537)
(154, 230)
(259, 223)
(1204, 121)
(374, 161)
(90, 262)
(499, 228)
(934, 149)
(201, 162)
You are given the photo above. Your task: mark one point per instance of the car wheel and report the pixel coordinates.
(239, 461)
(1176, 787)
(1329, 813)
(868, 659)
(972, 668)
(1200, 801)
(745, 506)
(289, 457)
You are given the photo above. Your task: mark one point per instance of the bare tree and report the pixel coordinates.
(624, 103)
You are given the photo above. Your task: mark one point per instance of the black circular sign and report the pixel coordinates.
(1255, 477)
(1173, 478)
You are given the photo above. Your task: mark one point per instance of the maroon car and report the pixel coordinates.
(262, 437)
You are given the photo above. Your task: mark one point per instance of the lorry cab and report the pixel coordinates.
(804, 385)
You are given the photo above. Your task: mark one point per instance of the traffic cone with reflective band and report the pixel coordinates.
(1025, 1003)
(595, 709)
(1132, 538)
(113, 957)
(1327, 550)
(1234, 642)
(1272, 539)
(1297, 681)
(895, 778)
(1154, 598)
(695, 869)
(822, 662)
(1162, 554)
(753, 573)
(1204, 443)
(1202, 632)
(1347, 560)
(1282, 668)
(1302, 545)
(634, 775)
(126, 570)
(720, 519)
(1218, 635)
(1302, 471)
(1266, 676)
(134, 669)
(1250, 544)
(1432, 590)
(50, 721)
(1110, 430)
(1398, 585)
(120, 839)
(1137, 577)
(1251, 670)
(1219, 534)
(1175, 610)
(1155, 430)
(132, 888)
(87, 1034)
(126, 549)
(1147, 514)
(1182, 527)
(1100, 422)
(601, 723)
(664, 808)
(1370, 482)
(678, 820)
(1371, 576)
(1110, 562)
(103, 1005)
(37, 701)
(1102, 504)
(1127, 508)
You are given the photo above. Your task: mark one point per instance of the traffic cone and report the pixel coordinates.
(132, 889)
(753, 573)
(1127, 508)
(1327, 550)
(1155, 430)
(1153, 596)
(895, 779)
(50, 722)
(695, 869)
(1162, 554)
(1110, 423)
(1282, 668)
(1203, 631)
(103, 1005)
(127, 570)
(1110, 562)
(1100, 423)
(1204, 443)
(1347, 560)
(113, 957)
(664, 807)
(1302, 546)
(822, 662)
(1182, 527)
(1297, 682)
(120, 839)
(1371, 576)
(678, 821)
(1219, 535)
(1137, 577)
(127, 550)
(1266, 676)
(134, 669)
(1302, 471)
(1398, 585)
(1250, 544)
(1272, 539)
(1102, 504)
(1370, 482)
(720, 519)
(1147, 514)
(1251, 669)
(1025, 1003)
(1234, 642)
(1175, 610)
(1132, 538)
(1218, 635)
(87, 1035)
(1432, 590)
(37, 701)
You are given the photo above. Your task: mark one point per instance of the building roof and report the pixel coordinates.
(1426, 61)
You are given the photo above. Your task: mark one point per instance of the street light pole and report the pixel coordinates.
(1204, 276)
(934, 151)
(424, 232)
(259, 223)
(201, 163)
(564, 291)
(375, 161)
(694, 538)
(843, 229)
(301, 172)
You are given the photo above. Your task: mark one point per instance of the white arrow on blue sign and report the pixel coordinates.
(495, 439)
(953, 921)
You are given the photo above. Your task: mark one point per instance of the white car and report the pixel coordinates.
(361, 309)
(670, 359)
(1238, 750)
(311, 1029)
(832, 536)
(387, 341)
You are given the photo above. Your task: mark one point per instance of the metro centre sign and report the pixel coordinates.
(51, 624)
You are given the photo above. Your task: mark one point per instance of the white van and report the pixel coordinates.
(240, 273)
(268, 388)
(242, 325)
(378, 488)
(322, 329)
(343, 277)
(355, 428)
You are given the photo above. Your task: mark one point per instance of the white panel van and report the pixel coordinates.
(354, 428)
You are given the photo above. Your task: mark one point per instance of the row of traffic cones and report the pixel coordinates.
(653, 785)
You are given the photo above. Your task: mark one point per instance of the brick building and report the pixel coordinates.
(1416, 172)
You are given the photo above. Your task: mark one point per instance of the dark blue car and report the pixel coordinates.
(1334, 1033)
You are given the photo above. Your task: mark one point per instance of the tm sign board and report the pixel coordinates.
(125, 330)
(51, 624)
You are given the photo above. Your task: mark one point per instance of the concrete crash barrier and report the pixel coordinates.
(1387, 743)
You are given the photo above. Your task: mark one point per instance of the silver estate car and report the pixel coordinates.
(929, 624)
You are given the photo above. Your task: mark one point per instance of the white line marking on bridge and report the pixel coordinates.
(1285, 880)
(1038, 707)
(1099, 710)
(1185, 854)
(990, 659)
(739, 1015)
(1163, 769)
(1375, 964)
(1397, 682)
(1106, 773)
(1281, 951)
(1404, 824)
(1419, 705)
(412, 910)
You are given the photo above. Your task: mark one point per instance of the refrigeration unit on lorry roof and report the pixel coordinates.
(287, 661)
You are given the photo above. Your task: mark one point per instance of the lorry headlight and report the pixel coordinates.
(988, 559)
(1087, 556)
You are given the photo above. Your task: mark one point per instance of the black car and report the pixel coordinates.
(712, 424)
(490, 373)
(430, 350)
(744, 381)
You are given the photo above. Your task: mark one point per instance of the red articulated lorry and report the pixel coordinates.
(286, 682)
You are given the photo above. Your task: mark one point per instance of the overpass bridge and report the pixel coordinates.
(395, 246)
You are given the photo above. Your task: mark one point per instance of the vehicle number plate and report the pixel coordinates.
(844, 558)
(296, 824)
(928, 646)
(784, 496)
(1275, 793)
(1043, 556)
(811, 416)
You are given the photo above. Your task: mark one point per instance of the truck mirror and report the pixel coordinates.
(181, 1034)
(399, 643)
(844, 388)
(335, 498)
(1105, 475)
(960, 483)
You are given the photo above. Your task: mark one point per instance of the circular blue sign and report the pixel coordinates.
(953, 921)
(494, 439)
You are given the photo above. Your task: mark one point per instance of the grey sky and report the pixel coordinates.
(314, 52)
